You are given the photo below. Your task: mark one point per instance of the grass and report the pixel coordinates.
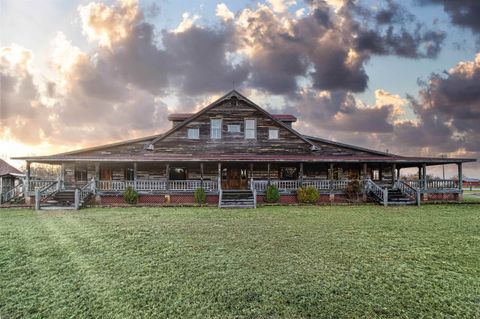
(273, 262)
(471, 196)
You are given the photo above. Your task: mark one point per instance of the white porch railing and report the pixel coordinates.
(34, 184)
(434, 184)
(293, 185)
(157, 185)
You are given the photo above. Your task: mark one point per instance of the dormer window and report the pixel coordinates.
(216, 128)
(250, 129)
(193, 133)
(273, 133)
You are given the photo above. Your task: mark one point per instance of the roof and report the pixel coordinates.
(313, 158)
(372, 156)
(185, 116)
(7, 169)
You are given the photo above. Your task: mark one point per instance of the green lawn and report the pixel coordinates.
(288, 262)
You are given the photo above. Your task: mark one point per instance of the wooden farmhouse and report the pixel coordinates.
(234, 149)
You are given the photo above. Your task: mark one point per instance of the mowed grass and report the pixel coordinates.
(272, 262)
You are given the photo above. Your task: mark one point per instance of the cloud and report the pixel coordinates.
(223, 12)
(20, 102)
(281, 6)
(109, 24)
(463, 13)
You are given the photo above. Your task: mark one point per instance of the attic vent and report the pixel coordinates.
(105, 153)
(314, 148)
(149, 147)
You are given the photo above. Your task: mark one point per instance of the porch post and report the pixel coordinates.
(135, 174)
(28, 176)
(424, 175)
(167, 176)
(364, 177)
(268, 172)
(301, 174)
(62, 176)
(460, 181)
(219, 175)
(98, 199)
(331, 196)
(394, 167)
(201, 175)
(398, 174)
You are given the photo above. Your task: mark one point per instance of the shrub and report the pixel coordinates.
(130, 196)
(308, 194)
(272, 195)
(200, 196)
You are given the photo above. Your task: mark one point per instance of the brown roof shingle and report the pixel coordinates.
(6, 168)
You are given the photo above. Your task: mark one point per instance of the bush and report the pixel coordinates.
(272, 195)
(200, 196)
(308, 195)
(130, 196)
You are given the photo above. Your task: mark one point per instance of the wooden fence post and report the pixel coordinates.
(385, 197)
(37, 199)
(77, 198)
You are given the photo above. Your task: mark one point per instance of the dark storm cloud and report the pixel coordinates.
(464, 13)
(200, 56)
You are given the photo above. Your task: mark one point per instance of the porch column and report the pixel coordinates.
(98, 199)
(167, 176)
(398, 174)
(424, 175)
(28, 176)
(380, 173)
(135, 174)
(394, 167)
(219, 180)
(300, 174)
(201, 175)
(268, 172)
(62, 177)
(364, 177)
(331, 196)
(460, 181)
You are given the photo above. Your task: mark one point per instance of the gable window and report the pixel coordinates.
(193, 133)
(250, 128)
(233, 128)
(216, 128)
(273, 133)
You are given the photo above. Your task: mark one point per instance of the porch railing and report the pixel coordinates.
(409, 191)
(34, 184)
(293, 185)
(157, 185)
(433, 183)
(13, 193)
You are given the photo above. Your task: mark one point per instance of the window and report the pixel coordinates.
(216, 128)
(250, 129)
(193, 133)
(178, 173)
(288, 173)
(273, 133)
(233, 128)
(81, 174)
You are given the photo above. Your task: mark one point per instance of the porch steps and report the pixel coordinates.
(237, 199)
(61, 200)
(395, 197)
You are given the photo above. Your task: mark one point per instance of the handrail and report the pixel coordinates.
(380, 193)
(408, 191)
(12, 193)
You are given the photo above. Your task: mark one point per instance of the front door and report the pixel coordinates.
(235, 178)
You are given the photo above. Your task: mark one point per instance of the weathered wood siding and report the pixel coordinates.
(233, 112)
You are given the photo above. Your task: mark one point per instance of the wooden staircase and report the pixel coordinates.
(60, 200)
(237, 199)
(400, 194)
(396, 197)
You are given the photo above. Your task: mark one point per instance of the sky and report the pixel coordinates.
(402, 76)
